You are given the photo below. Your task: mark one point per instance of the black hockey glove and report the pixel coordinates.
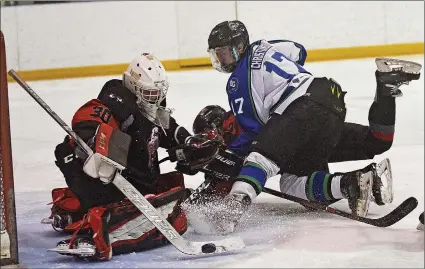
(225, 166)
(66, 160)
(186, 168)
(194, 154)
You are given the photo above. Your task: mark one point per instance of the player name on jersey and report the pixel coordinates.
(258, 57)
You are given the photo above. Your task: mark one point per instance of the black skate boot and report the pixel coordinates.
(356, 187)
(392, 73)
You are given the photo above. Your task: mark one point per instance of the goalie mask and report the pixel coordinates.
(147, 79)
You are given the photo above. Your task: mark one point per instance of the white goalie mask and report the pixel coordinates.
(147, 79)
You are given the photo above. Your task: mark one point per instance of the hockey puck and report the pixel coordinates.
(208, 248)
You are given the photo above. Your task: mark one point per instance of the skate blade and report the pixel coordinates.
(47, 221)
(82, 252)
(388, 65)
(385, 173)
(420, 227)
(365, 184)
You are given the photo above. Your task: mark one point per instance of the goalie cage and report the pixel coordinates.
(8, 233)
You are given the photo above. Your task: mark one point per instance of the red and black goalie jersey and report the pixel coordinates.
(117, 107)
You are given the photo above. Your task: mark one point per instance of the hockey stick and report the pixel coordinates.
(391, 218)
(157, 219)
(197, 192)
(164, 160)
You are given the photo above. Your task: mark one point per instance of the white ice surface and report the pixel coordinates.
(277, 233)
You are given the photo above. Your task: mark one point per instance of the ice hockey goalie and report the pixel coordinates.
(127, 122)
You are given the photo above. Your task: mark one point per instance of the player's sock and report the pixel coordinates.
(322, 186)
(381, 118)
(256, 170)
(253, 174)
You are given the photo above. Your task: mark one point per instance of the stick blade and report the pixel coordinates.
(404, 209)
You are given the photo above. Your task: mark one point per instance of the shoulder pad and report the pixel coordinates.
(120, 101)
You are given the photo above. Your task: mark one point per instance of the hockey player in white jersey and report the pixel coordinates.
(293, 121)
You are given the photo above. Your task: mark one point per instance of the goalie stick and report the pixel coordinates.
(157, 219)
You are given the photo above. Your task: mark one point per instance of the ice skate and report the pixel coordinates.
(392, 73)
(356, 187)
(217, 215)
(86, 243)
(65, 209)
(82, 247)
(58, 221)
(234, 206)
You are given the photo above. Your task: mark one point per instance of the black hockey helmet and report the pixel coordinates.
(227, 43)
(210, 117)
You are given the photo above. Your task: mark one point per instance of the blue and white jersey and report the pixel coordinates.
(266, 80)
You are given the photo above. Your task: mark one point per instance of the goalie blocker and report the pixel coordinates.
(112, 144)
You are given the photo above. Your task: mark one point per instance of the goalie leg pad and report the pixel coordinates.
(65, 199)
(66, 209)
(120, 228)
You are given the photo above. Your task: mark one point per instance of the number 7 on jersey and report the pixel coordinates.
(238, 104)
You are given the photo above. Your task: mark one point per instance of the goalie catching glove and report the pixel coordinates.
(112, 144)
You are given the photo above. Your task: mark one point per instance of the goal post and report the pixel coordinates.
(8, 231)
